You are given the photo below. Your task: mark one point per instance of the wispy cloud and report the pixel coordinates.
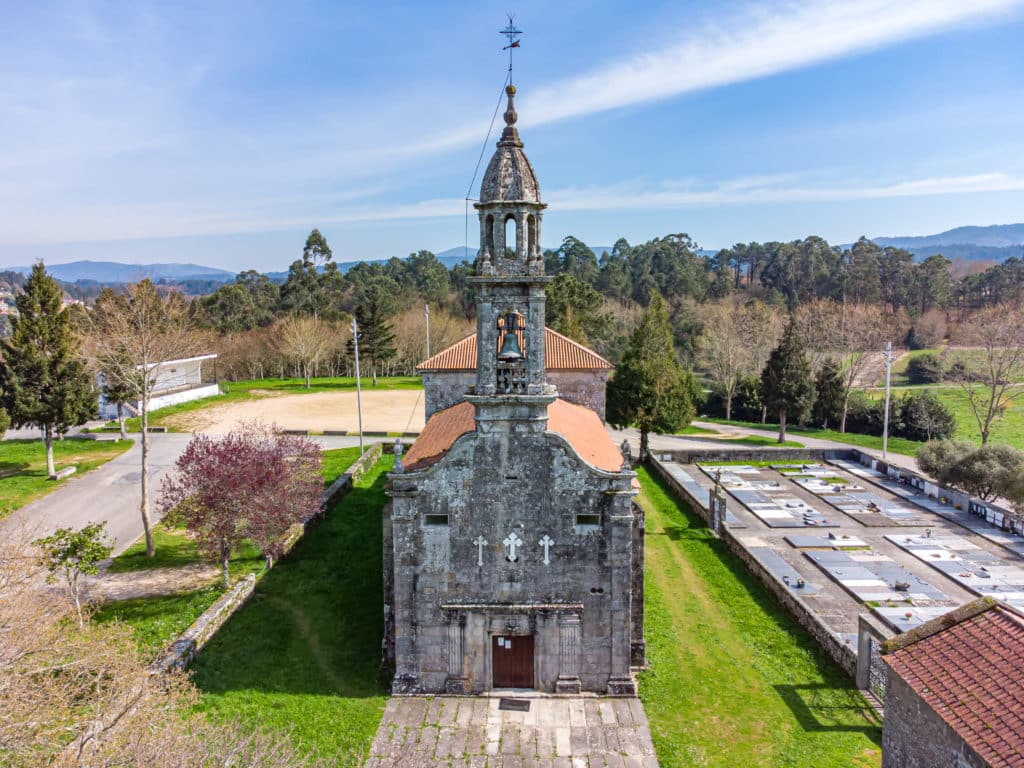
(146, 221)
(130, 130)
(755, 42)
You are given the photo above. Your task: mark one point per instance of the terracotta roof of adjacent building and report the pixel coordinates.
(560, 353)
(580, 426)
(968, 665)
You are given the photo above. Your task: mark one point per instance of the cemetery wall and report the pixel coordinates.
(775, 455)
(804, 615)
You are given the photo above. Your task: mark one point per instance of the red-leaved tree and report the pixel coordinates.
(253, 483)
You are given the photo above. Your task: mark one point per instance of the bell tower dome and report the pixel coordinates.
(510, 284)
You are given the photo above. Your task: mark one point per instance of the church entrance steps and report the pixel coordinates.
(555, 732)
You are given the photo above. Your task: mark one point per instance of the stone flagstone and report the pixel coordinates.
(560, 732)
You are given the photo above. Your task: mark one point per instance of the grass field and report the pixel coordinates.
(238, 391)
(335, 461)
(303, 654)
(765, 441)
(733, 681)
(1009, 429)
(23, 466)
(896, 444)
(158, 620)
(692, 430)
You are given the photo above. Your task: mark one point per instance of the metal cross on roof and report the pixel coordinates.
(511, 33)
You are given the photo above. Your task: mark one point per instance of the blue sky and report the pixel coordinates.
(221, 133)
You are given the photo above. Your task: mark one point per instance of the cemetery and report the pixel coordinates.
(888, 554)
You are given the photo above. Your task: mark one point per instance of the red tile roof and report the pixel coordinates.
(560, 353)
(580, 426)
(969, 667)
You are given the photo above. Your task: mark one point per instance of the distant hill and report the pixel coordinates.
(116, 272)
(995, 243)
(996, 236)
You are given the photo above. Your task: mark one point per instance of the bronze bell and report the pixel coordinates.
(510, 350)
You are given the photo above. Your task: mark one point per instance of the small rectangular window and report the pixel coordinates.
(436, 519)
(588, 519)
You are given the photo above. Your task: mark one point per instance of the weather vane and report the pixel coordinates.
(512, 33)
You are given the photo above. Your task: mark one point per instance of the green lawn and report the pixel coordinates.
(896, 444)
(1009, 429)
(336, 461)
(156, 621)
(692, 430)
(304, 654)
(733, 681)
(236, 391)
(761, 440)
(23, 466)
(174, 547)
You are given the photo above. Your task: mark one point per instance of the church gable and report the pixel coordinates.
(513, 551)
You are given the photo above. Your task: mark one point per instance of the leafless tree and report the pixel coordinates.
(993, 366)
(72, 697)
(307, 340)
(852, 333)
(130, 336)
(736, 342)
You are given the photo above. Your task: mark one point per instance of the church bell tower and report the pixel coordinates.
(510, 379)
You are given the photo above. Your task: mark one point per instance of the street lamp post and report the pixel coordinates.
(359, 387)
(885, 417)
(426, 311)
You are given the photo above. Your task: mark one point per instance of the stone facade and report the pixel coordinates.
(914, 736)
(503, 536)
(443, 389)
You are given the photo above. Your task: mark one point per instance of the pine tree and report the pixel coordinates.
(44, 380)
(830, 394)
(787, 388)
(376, 337)
(650, 390)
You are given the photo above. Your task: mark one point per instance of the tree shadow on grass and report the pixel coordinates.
(315, 622)
(823, 708)
(12, 468)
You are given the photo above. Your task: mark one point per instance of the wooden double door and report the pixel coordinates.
(512, 661)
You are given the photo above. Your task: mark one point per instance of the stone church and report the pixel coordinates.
(513, 548)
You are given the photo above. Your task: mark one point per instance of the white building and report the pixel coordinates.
(175, 381)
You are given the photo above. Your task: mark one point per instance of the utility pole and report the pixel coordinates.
(426, 311)
(359, 387)
(885, 418)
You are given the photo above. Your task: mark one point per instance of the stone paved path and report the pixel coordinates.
(153, 582)
(559, 732)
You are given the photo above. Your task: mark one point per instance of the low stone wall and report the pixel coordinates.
(774, 455)
(180, 653)
(802, 613)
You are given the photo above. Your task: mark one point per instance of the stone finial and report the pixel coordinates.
(627, 456)
(398, 455)
(510, 136)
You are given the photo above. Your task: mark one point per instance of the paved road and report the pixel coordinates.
(112, 493)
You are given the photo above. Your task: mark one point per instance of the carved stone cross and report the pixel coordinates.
(480, 542)
(512, 542)
(546, 542)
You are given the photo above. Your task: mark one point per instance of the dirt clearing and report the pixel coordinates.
(383, 411)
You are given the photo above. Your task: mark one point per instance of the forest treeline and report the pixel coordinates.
(596, 300)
